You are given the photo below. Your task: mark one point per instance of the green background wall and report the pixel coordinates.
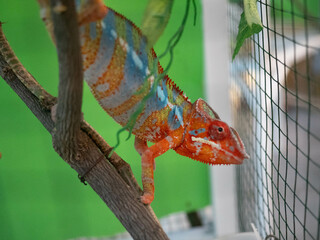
(40, 195)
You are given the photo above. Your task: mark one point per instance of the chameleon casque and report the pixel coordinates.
(116, 62)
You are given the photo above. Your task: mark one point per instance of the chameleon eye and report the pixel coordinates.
(217, 132)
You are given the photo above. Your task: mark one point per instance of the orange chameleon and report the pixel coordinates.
(116, 62)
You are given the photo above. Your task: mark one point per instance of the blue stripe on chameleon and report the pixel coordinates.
(133, 73)
(156, 102)
(161, 96)
(153, 104)
(77, 5)
(175, 94)
(134, 76)
(93, 30)
(197, 131)
(143, 54)
(129, 37)
(134, 70)
(175, 118)
(106, 49)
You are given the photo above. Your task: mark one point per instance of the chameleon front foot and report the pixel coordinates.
(148, 154)
(147, 198)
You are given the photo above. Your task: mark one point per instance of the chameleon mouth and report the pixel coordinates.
(239, 143)
(218, 147)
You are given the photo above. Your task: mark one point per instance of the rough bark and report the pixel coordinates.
(68, 113)
(119, 193)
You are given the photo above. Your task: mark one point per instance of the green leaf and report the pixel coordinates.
(251, 13)
(250, 24)
(155, 19)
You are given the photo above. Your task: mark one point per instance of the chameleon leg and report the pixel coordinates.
(140, 145)
(147, 163)
(92, 11)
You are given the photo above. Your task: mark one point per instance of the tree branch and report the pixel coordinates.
(103, 177)
(68, 114)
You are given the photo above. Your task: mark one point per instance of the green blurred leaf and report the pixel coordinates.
(250, 24)
(155, 19)
(235, 1)
(251, 13)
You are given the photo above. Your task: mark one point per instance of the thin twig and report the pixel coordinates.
(25, 77)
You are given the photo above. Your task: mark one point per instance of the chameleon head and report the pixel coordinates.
(208, 139)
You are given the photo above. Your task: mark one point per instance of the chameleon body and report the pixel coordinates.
(116, 62)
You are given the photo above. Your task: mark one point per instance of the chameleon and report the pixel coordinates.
(117, 65)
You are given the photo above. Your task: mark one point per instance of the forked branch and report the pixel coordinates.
(122, 198)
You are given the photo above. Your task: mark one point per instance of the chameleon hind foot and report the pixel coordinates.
(92, 11)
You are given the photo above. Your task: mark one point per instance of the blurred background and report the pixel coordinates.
(275, 83)
(270, 93)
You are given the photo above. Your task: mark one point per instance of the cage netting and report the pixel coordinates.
(275, 91)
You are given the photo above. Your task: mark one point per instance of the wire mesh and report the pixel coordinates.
(275, 90)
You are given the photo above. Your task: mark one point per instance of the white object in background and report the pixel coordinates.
(243, 236)
(256, 232)
(239, 236)
(223, 190)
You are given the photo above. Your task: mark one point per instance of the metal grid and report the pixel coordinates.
(275, 91)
